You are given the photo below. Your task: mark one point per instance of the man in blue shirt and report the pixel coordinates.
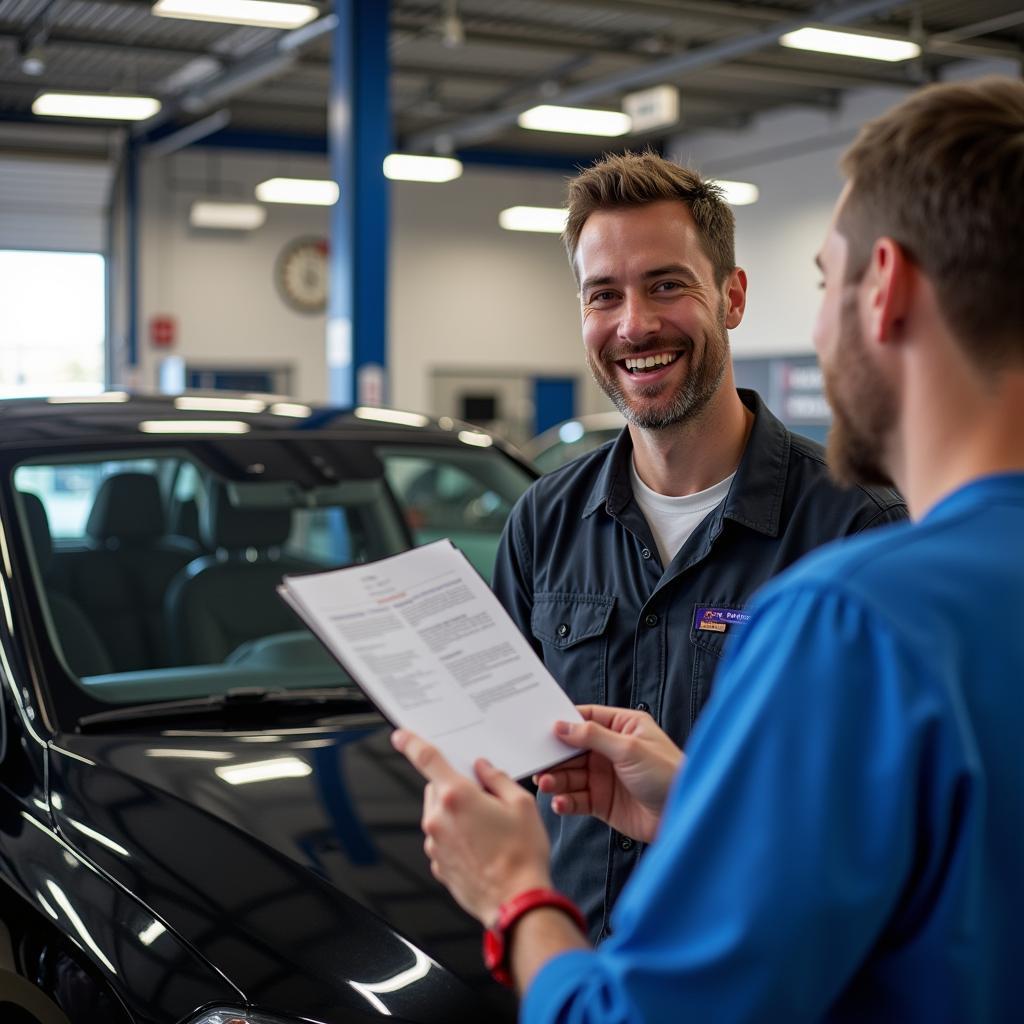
(845, 840)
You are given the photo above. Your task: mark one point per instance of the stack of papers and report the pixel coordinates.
(426, 640)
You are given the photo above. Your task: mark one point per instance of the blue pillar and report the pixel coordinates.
(359, 133)
(131, 216)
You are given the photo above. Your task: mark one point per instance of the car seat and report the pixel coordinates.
(219, 601)
(73, 633)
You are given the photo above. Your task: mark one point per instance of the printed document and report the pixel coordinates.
(429, 643)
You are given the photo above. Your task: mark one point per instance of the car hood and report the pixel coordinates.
(291, 861)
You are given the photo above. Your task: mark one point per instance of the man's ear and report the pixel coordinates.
(888, 290)
(735, 297)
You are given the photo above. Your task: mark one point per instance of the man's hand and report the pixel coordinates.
(485, 842)
(624, 778)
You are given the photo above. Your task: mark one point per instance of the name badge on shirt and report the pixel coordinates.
(718, 620)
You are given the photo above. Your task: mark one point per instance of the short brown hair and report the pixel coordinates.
(942, 174)
(636, 179)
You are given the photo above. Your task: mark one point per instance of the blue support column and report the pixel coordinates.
(132, 256)
(359, 131)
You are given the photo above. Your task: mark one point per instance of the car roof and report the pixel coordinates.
(120, 416)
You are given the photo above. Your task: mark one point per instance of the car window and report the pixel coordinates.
(68, 490)
(156, 577)
(562, 452)
(464, 496)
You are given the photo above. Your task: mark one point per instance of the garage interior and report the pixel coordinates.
(437, 309)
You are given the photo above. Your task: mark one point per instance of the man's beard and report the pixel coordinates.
(691, 396)
(864, 408)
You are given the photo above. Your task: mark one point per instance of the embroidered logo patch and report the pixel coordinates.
(718, 620)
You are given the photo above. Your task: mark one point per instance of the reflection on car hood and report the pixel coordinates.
(292, 862)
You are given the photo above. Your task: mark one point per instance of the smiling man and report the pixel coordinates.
(844, 841)
(631, 568)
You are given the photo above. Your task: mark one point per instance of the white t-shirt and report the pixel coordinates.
(673, 519)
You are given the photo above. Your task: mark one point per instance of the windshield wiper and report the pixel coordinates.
(237, 703)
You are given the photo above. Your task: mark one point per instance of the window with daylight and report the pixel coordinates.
(52, 322)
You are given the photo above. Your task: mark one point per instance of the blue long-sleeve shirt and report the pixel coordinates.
(846, 839)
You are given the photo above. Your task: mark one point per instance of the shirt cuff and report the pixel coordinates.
(559, 984)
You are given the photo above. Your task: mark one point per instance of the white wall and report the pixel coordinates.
(464, 293)
(793, 159)
(220, 285)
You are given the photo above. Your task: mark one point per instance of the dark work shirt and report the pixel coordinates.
(578, 570)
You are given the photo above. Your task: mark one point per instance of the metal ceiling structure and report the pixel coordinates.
(461, 70)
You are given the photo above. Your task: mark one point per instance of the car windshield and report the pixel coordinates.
(155, 570)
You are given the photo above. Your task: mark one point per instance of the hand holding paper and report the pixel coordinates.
(625, 775)
(485, 842)
(432, 647)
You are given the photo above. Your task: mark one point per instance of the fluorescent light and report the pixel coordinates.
(737, 193)
(406, 167)
(264, 771)
(533, 218)
(475, 438)
(199, 404)
(261, 13)
(193, 427)
(102, 107)
(227, 216)
(575, 120)
(850, 44)
(408, 419)
(304, 191)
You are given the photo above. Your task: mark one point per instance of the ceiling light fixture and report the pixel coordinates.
(737, 193)
(407, 167)
(575, 120)
(549, 220)
(208, 213)
(99, 106)
(301, 191)
(259, 13)
(851, 44)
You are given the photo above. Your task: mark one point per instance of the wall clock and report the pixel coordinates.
(301, 274)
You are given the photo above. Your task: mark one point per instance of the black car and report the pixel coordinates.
(201, 818)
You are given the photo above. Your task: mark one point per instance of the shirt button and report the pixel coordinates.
(646, 552)
(563, 629)
(651, 620)
(643, 706)
(627, 844)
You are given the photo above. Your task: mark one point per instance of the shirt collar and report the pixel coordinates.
(755, 498)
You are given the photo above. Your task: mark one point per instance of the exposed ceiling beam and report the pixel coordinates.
(105, 40)
(677, 10)
(771, 74)
(473, 130)
(264, 63)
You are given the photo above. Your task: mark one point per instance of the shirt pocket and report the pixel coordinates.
(708, 647)
(573, 632)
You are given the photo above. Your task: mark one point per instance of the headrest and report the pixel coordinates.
(127, 508)
(38, 529)
(223, 525)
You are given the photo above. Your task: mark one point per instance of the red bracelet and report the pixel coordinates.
(496, 939)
